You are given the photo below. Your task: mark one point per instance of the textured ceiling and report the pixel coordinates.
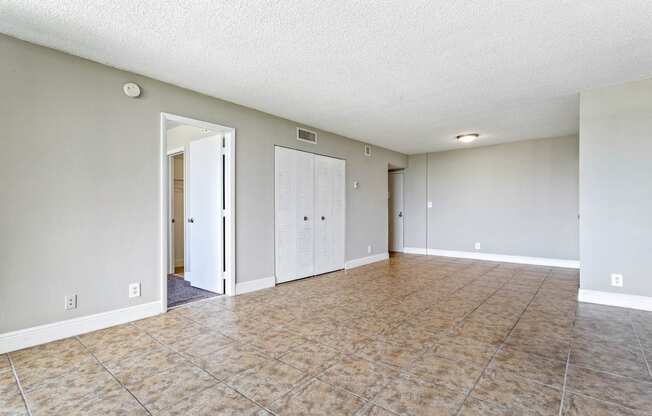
(407, 75)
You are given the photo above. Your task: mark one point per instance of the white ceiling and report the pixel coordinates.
(407, 75)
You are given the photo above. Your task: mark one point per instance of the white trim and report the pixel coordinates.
(254, 285)
(29, 337)
(621, 300)
(365, 260)
(229, 135)
(415, 250)
(503, 258)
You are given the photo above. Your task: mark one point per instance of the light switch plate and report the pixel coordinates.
(478, 246)
(429, 204)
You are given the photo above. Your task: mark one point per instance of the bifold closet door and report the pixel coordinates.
(294, 217)
(330, 214)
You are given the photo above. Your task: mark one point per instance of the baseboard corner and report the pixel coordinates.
(621, 300)
(254, 285)
(351, 264)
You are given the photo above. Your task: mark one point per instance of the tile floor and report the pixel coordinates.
(412, 336)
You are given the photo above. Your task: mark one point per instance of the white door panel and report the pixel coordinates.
(396, 211)
(305, 202)
(329, 210)
(204, 214)
(294, 218)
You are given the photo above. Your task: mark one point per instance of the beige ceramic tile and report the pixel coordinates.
(11, 402)
(267, 381)
(137, 367)
(406, 396)
(71, 389)
(215, 400)
(311, 357)
(359, 376)
(317, 398)
(163, 390)
(517, 394)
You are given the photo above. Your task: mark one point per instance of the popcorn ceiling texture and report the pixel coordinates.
(406, 75)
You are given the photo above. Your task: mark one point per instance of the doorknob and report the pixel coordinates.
(172, 220)
(323, 218)
(400, 214)
(305, 218)
(191, 220)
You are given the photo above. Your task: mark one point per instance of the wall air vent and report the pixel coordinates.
(367, 150)
(306, 135)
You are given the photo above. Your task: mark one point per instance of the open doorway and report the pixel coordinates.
(199, 200)
(395, 210)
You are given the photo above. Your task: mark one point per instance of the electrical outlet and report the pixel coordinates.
(478, 246)
(70, 302)
(616, 280)
(134, 290)
(368, 249)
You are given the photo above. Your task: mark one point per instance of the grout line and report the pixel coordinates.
(563, 388)
(20, 386)
(113, 375)
(502, 344)
(640, 345)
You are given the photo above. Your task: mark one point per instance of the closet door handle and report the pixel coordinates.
(191, 220)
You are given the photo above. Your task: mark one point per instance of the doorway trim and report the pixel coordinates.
(389, 175)
(229, 192)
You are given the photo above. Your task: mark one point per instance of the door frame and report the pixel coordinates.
(229, 192)
(172, 260)
(402, 173)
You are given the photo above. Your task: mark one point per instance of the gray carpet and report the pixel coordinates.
(180, 292)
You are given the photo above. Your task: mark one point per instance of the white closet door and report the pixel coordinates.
(330, 214)
(294, 214)
(204, 186)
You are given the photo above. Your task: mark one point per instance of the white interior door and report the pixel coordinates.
(396, 211)
(294, 214)
(330, 214)
(204, 214)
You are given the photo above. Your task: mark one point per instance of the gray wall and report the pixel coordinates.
(516, 199)
(616, 187)
(79, 184)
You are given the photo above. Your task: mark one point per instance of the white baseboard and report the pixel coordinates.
(24, 338)
(253, 285)
(503, 258)
(621, 300)
(365, 260)
(414, 250)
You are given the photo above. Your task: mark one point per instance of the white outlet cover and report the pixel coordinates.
(616, 280)
(368, 249)
(134, 290)
(70, 302)
(478, 246)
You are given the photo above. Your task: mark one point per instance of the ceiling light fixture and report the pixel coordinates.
(467, 138)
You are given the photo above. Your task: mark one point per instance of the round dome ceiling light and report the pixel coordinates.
(467, 138)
